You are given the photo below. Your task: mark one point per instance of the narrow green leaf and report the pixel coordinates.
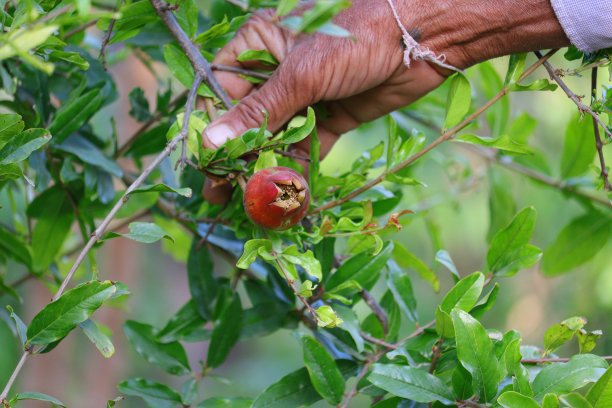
(76, 305)
(362, 268)
(575, 400)
(567, 377)
(145, 232)
(295, 133)
(410, 383)
(600, 394)
(19, 325)
(550, 401)
(560, 333)
(407, 259)
(21, 146)
(102, 342)
(170, 357)
(185, 321)
(261, 56)
(512, 399)
(88, 153)
(10, 126)
(225, 334)
(475, 352)
(324, 374)
(401, 286)
(509, 250)
(21, 41)
(38, 396)
(577, 243)
(202, 284)
(163, 188)
(459, 100)
(13, 247)
(156, 395)
(444, 258)
(71, 116)
(578, 147)
(252, 249)
(219, 402)
(503, 143)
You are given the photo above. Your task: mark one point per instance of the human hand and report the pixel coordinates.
(362, 78)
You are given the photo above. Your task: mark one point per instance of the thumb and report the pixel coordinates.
(280, 96)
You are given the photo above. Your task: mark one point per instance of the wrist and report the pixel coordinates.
(471, 31)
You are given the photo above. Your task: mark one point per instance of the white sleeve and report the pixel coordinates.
(587, 23)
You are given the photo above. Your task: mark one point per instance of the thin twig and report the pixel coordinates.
(364, 371)
(241, 71)
(199, 63)
(376, 309)
(598, 143)
(80, 28)
(302, 299)
(377, 341)
(448, 135)
(97, 234)
(570, 94)
(105, 40)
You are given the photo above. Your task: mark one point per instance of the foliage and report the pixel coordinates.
(59, 177)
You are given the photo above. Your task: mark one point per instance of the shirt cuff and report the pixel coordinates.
(587, 23)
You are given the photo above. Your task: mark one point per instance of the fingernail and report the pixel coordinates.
(218, 134)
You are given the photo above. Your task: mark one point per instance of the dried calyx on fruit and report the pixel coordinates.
(276, 198)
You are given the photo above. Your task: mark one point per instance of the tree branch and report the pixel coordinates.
(199, 63)
(448, 135)
(598, 143)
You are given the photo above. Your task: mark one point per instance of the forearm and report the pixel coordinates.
(471, 31)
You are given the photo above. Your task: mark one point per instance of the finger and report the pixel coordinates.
(217, 191)
(281, 97)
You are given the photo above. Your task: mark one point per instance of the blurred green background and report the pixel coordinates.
(77, 374)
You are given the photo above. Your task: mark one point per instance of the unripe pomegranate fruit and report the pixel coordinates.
(276, 198)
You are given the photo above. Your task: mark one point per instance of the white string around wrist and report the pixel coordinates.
(414, 50)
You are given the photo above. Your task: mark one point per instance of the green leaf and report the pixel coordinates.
(21, 41)
(185, 321)
(170, 357)
(503, 143)
(156, 395)
(87, 152)
(475, 352)
(350, 323)
(10, 126)
(501, 202)
(252, 249)
(72, 115)
(560, 333)
(578, 148)
(464, 296)
(600, 394)
(37, 396)
(181, 68)
(11, 246)
(10, 172)
(19, 324)
(266, 159)
(459, 100)
(326, 317)
(133, 17)
(444, 258)
(566, 377)
(577, 243)
(76, 305)
(295, 133)
(163, 188)
(588, 340)
(512, 399)
(401, 286)
(306, 260)
(261, 56)
(202, 284)
(407, 259)
(509, 250)
(285, 6)
(575, 400)
(296, 389)
(362, 268)
(102, 342)
(324, 374)
(55, 215)
(145, 232)
(225, 334)
(21, 146)
(537, 85)
(219, 402)
(410, 383)
(550, 401)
